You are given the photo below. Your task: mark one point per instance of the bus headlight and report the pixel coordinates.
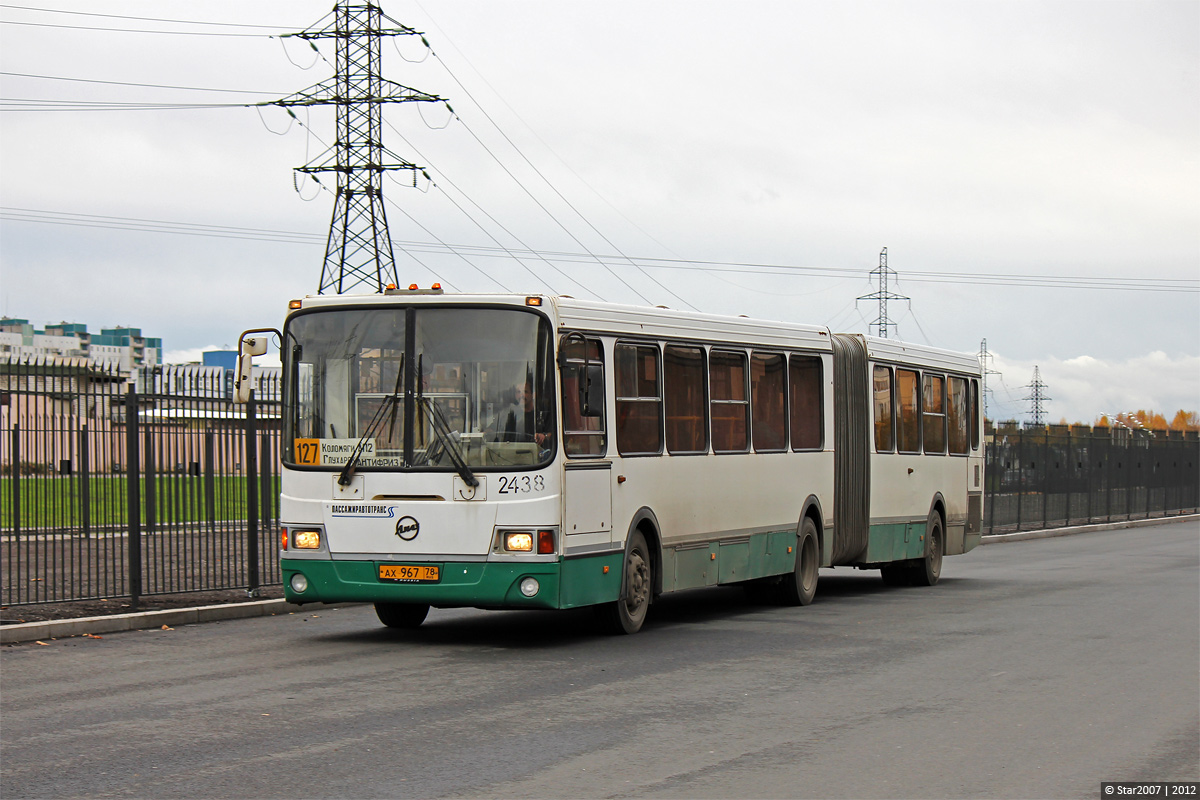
(306, 539)
(299, 583)
(519, 542)
(529, 586)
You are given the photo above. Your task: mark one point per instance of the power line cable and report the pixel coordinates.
(131, 30)
(501, 226)
(18, 104)
(656, 263)
(554, 189)
(140, 19)
(126, 83)
(533, 131)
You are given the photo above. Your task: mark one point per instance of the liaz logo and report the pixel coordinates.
(407, 528)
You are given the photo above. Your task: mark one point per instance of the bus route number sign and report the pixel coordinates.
(308, 451)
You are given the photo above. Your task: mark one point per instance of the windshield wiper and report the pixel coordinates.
(445, 438)
(443, 433)
(389, 402)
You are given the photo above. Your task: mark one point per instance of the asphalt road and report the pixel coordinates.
(1034, 669)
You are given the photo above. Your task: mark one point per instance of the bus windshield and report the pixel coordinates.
(418, 388)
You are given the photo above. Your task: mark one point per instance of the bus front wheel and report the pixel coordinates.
(927, 571)
(629, 612)
(401, 615)
(799, 588)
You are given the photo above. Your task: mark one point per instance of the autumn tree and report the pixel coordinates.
(1185, 421)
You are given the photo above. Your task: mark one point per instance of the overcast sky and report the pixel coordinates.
(1019, 160)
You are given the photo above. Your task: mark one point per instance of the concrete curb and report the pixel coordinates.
(61, 628)
(1050, 533)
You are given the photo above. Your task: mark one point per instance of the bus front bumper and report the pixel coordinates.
(459, 584)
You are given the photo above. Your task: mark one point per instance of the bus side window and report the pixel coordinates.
(807, 408)
(908, 418)
(768, 390)
(639, 400)
(730, 407)
(582, 435)
(956, 415)
(884, 439)
(683, 393)
(933, 420)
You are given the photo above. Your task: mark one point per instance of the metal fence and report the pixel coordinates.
(125, 486)
(114, 485)
(1058, 475)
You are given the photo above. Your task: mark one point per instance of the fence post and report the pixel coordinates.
(251, 498)
(991, 476)
(148, 457)
(134, 502)
(210, 478)
(1091, 459)
(1045, 457)
(85, 482)
(1108, 478)
(1020, 474)
(1070, 482)
(14, 468)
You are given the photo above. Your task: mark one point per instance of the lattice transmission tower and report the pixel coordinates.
(1037, 397)
(359, 250)
(985, 359)
(882, 273)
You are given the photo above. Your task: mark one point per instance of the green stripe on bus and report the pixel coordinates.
(491, 585)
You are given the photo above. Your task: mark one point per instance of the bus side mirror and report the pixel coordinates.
(241, 379)
(248, 347)
(254, 345)
(591, 390)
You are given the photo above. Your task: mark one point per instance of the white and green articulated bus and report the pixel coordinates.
(509, 452)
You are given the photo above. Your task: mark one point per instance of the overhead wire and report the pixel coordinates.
(508, 251)
(514, 177)
(140, 19)
(552, 187)
(1176, 285)
(128, 83)
(131, 30)
(539, 173)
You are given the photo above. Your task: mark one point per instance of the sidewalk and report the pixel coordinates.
(55, 629)
(59, 628)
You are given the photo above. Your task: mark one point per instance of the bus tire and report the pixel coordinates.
(927, 571)
(401, 615)
(799, 588)
(628, 613)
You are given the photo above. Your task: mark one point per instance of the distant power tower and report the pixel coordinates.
(985, 363)
(359, 250)
(882, 273)
(1037, 397)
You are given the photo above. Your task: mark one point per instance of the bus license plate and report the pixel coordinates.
(412, 573)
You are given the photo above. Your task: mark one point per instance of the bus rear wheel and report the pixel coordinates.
(401, 615)
(629, 612)
(799, 588)
(927, 571)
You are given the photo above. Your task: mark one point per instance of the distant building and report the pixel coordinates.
(124, 348)
(123, 353)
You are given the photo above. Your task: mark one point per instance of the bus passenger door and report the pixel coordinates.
(587, 475)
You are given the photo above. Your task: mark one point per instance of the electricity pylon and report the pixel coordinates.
(985, 363)
(1037, 397)
(882, 322)
(359, 250)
